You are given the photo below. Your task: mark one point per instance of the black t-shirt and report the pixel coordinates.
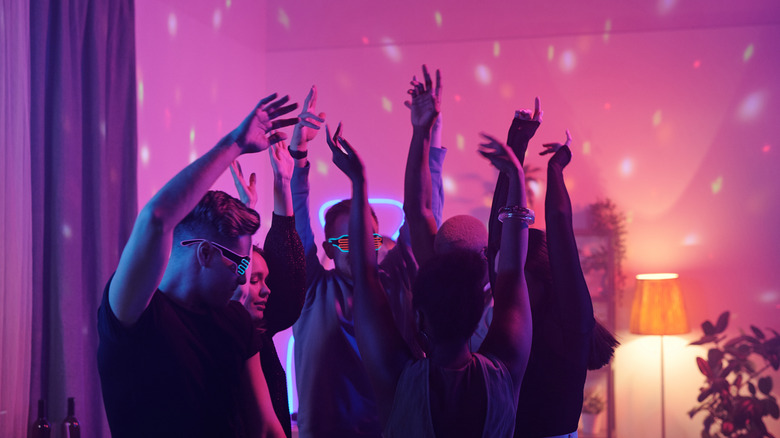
(174, 372)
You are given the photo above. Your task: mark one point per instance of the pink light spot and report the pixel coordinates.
(607, 106)
(696, 64)
(766, 148)
(365, 40)
(457, 98)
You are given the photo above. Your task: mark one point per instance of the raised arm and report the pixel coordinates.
(521, 130)
(145, 256)
(283, 250)
(510, 333)
(572, 298)
(305, 130)
(381, 346)
(425, 107)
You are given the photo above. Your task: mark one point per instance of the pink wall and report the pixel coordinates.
(673, 108)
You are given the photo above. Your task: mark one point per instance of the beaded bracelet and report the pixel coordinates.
(525, 214)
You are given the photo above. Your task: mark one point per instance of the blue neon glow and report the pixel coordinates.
(324, 207)
(289, 368)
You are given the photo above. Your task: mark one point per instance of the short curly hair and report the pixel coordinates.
(218, 216)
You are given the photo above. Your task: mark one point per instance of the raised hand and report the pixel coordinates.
(426, 100)
(246, 192)
(281, 161)
(344, 155)
(523, 128)
(308, 123)
(551, 148)
(500, 155)
(252, 134)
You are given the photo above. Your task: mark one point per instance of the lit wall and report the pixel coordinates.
(673, 108)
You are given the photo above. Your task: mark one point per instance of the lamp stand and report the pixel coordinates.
(663, 409)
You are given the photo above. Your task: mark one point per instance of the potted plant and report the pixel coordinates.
(593, 404)
(737, 394)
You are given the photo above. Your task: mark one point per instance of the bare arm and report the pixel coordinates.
(145, 256)
(381, 346)
(425, 107)
(257, 411)
(510, 333)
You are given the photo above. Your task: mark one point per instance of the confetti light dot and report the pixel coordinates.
(717, 185)
(228, 3)
(607, 29)
(536, 188)
(766, 148)
(67, 232)
(217, 19)
(140, 93)
(448, 184)
(568, 61)
(586, 148)
(172, 24)
(437, 17)
(145, 155)
(496, 49)
(283, 19)
(507, 90)
(657, 118)
(457, 98)
(664, 6)
(607, 106)
(322, 167)
(392, 51)
(691, 240)
(192, 136)
(387, 105)
(751, 106)
(365, 40)
(487, 201)
(460, 142)
(193, 155)
(769, 296)
(627, 167)
(748, 53)
(103, 128)
(482, 72)
(696, 64)
(550, 53)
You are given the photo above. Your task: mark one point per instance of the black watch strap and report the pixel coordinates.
(298, 155)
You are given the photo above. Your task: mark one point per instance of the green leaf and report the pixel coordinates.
(708, 328)
(759, 334)
(723, 322)
(771, 408)
(704, 367)
(752, 389)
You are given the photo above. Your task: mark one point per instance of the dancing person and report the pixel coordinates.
(176, 356)
(334, 394)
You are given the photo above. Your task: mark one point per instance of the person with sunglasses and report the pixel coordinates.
(334, 393)
(176, 357)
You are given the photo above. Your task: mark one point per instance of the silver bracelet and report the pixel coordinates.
(525, 214)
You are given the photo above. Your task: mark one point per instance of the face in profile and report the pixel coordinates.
(254, 294)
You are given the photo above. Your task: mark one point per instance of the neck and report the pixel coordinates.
(177, 286)
(450, 354)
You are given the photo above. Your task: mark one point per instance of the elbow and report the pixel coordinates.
(155, 218)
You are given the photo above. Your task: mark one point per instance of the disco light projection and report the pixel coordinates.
(607, 106)
(483, 75)
(172, 24)
(535, 187)
(217, 19)
(460, 141)
(586, 148)
(387, 105)
(751, 106)
(193, 155)
(657, 118)
(145, 154)
(283, 19)
(568, 61)
(748, 53)
(67, 232)
(456, 97)
(696, 64)
(374, 201)
(365, 41)
(141, 93)
(487, 201)
(769, 296)
(228, 3)
(627, 167)
(550, 53)
(665, 6)
(607, 30)
(766, 148)
(691, 240)
(507, 91)
(322, 167)
(392, 51)
(448, 184)
(437, 17)
(192, 136)
(717, 185)
(103, 129)
(496, 49)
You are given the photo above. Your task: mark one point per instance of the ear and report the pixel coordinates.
(205, 254)
(329, 249)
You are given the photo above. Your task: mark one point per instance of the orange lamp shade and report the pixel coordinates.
(658, 307)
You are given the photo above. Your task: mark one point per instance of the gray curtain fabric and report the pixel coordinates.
(83, 155)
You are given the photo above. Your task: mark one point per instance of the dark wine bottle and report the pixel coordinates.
(41, 428)
(70, 425)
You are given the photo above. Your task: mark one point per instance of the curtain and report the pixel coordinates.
(15, 221)
(82, 190)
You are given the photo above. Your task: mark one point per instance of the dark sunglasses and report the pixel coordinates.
(240, 263)
(342, 243)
